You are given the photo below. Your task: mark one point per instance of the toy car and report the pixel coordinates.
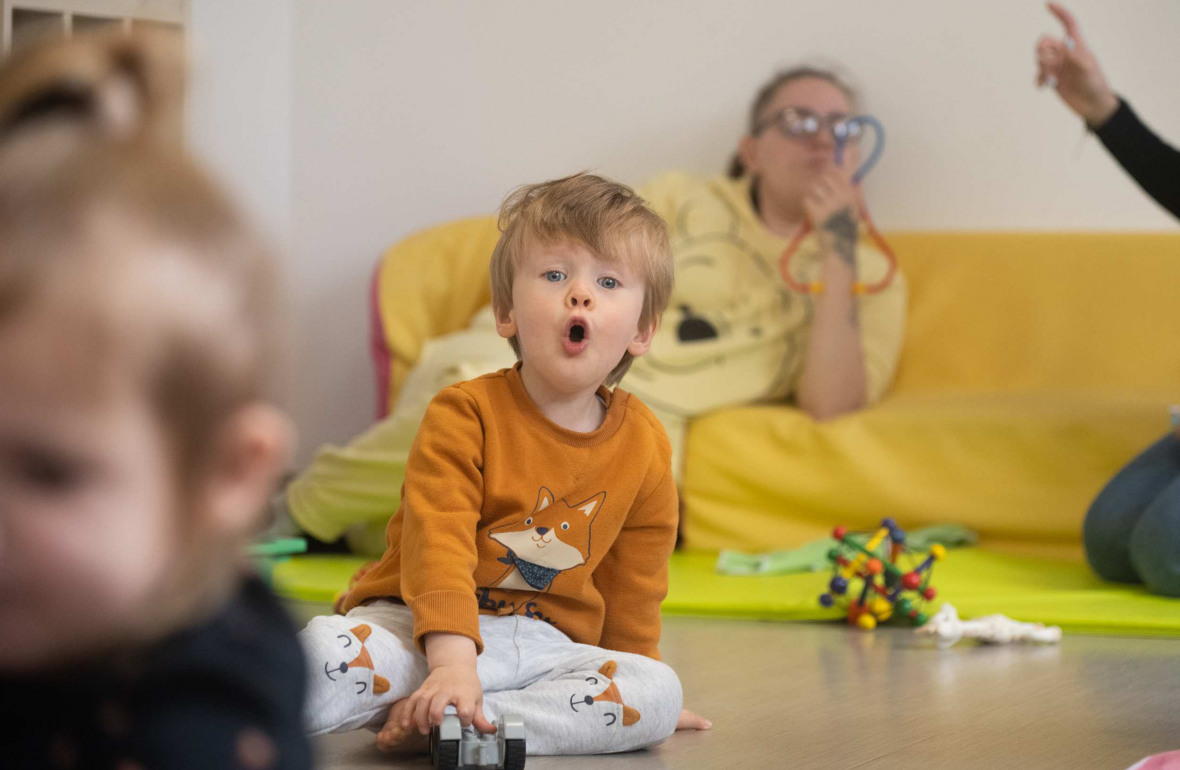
(451, 749)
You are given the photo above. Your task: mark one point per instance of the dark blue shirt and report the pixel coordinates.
(225, 694)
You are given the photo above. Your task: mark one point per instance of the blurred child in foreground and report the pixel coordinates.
(137, 440)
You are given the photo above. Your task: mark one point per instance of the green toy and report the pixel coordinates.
(268, 553)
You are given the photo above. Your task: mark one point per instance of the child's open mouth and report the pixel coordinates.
(576, 337)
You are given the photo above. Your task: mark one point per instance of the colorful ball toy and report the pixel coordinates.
(893, 580)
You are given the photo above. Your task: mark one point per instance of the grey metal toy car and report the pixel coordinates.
(450, 749)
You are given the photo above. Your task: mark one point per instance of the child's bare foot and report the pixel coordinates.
(691, 721)
(392, 737)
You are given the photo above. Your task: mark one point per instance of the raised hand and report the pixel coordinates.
(1068, 66)
(832, 207)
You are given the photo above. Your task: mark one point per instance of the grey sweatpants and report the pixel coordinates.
(575, 698)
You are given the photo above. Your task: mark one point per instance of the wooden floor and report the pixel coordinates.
(826, 696)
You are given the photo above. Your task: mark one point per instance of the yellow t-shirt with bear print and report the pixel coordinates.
(735, 333)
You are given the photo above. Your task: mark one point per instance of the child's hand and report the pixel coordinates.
(453, 681)
(691, 721)
(456, 686)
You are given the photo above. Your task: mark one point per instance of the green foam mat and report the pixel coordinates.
(977, 581)
(315, 578)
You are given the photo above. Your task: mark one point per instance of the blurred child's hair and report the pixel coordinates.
(768, 90)
(607, 218)
(105, 84)
(140, 261)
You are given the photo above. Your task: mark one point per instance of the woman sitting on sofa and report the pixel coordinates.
(735, 332)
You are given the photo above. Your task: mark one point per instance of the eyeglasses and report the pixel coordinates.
(804, 125)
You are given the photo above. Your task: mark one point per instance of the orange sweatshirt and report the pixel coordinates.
(504, 512)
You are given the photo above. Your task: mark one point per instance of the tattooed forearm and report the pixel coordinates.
(842, 226)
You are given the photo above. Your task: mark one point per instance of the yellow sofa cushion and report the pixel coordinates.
(1019, 467)
(1035, 366)
(1040, 311)
(428, 285)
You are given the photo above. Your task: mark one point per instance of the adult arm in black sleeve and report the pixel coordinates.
(1150, 161)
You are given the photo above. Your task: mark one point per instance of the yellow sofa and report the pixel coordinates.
(1035, 365)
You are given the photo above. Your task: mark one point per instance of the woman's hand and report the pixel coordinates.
(832, 206)
(1069, 66)
(832, 193)
(832, 382)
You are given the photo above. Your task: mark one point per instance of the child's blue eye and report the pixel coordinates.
(608, 282)
(554, 276)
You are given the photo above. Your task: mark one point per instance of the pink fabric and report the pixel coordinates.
(1168, 761)
(379, 346)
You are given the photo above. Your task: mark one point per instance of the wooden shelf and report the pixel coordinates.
(23, 21)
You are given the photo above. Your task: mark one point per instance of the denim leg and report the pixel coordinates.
(1116, 511)
(1155, 543)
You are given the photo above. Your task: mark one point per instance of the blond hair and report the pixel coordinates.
(606, 217)
(103, 83)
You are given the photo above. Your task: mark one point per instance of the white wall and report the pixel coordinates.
(412, 112)
(240, 124)
(240, 103)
